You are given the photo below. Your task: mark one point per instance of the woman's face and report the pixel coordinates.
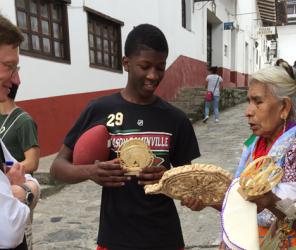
(265, 113)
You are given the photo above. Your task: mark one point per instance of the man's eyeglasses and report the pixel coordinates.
(14, 70)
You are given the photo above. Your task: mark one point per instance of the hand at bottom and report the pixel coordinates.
(193, 204)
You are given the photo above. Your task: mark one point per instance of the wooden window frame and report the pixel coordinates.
(108, 21)
(293, 6)
(63, 40)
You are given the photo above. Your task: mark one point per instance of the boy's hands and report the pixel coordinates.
(109, 174)
(153, 173)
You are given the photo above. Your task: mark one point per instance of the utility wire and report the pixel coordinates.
(243, 14)
(203, 5)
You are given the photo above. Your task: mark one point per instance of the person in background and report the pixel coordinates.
(18, 132)
(19, 193)
(214, 83)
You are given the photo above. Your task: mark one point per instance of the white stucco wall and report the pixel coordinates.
(43, 78)
(286, 43)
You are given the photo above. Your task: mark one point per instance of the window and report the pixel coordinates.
(186, 14)
(104, 37)
(45, 27)
(183, 14)
(209, 46)
(290, 9)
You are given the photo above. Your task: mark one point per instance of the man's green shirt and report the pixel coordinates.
(21, 136)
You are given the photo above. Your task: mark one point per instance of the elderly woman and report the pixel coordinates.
(272, 116)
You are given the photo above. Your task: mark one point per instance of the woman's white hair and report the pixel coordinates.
(281, 81)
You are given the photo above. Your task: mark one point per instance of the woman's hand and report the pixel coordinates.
(193, 204)
(267, 201)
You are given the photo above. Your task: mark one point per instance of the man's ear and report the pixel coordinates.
(125, 63)
(287, 105)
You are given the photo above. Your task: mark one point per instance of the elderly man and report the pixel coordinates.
(19, 193)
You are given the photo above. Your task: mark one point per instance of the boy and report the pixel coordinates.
(130, 219)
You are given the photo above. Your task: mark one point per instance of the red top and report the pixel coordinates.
(261, 146)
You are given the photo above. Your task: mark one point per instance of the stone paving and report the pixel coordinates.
(69, 219)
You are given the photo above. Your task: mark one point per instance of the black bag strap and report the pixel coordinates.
(2, 159)
(216, 84)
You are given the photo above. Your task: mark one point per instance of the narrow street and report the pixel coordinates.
(69, 219)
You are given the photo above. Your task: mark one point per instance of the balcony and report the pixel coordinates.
(272, 12)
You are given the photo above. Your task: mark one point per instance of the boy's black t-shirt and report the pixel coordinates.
(129, 218)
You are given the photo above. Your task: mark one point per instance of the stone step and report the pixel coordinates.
(197, 100)
(191, 115)
(192, 100)
(48, 190)
(45, 178)
(192, 93)
(188, 106)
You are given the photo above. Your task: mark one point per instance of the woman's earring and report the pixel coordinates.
(285, 121)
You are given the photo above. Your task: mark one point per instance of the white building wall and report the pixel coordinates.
(286, 43)
(43, 78)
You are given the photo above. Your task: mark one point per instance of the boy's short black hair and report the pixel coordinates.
(145, 37)
(13, 91)
(214, 69)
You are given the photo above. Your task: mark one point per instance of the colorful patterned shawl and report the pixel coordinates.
(278, 153)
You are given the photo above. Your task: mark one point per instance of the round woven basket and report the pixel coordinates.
(260, 176)
(135, 154)
(199, 181)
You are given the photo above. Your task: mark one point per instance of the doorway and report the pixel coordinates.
(209, 46)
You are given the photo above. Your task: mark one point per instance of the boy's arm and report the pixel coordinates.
(103, 173)
(31, 161)
(206, 84)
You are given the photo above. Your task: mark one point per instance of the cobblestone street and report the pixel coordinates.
(69, 219)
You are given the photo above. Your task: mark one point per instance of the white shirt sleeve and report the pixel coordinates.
(30, 178)
(13, 216)
(286, 189)
(9, 157)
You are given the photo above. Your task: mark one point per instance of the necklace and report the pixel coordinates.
(2, 128)
(285, 227)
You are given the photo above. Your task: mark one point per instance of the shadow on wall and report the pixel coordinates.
(184, 72)
(189, 72)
